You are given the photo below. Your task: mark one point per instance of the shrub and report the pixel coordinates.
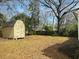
(70, 30)
(48, 28)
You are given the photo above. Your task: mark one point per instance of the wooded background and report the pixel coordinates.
(46, 17)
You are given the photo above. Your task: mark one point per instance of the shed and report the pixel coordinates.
(14, 29)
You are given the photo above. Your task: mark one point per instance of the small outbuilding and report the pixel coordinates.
(14, 29)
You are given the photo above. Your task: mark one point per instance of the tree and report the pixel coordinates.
(69, 25)
(60, 8)
(2, 19)
(2, 22)
(34, 8)
(75, 15)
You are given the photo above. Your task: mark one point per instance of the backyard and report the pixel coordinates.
(37, 47)
(39, 29)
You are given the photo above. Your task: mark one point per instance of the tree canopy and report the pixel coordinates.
(60, 8)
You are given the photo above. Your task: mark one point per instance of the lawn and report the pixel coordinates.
(34, 47)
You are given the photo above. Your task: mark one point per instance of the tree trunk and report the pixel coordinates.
(53, 23)
(58, 25)
(78, 27)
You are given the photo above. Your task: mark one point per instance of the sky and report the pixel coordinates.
(16, 8)
(20, 8)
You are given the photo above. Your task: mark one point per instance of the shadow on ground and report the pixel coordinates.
(66, 50)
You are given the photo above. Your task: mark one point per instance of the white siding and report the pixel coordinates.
(19, 29)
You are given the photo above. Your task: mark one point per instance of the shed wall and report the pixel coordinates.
(8, 32)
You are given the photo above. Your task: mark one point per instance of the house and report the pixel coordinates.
(14, 29)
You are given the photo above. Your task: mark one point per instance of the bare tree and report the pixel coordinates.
(34, 6)
(60, 8)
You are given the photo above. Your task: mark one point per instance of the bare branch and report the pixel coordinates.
(54, 3)
(74, 5)
(69, 11)
(68, 5)
(49, 6)
(46, 5)
(22, 3)
(75, 15)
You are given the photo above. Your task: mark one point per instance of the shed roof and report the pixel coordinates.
(9, 23)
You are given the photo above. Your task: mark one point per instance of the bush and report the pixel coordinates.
(44, 32)
(70, 30)
(48, 28)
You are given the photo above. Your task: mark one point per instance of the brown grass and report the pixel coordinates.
(33, 47)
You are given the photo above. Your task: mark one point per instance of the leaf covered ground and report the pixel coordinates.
(33, 47)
